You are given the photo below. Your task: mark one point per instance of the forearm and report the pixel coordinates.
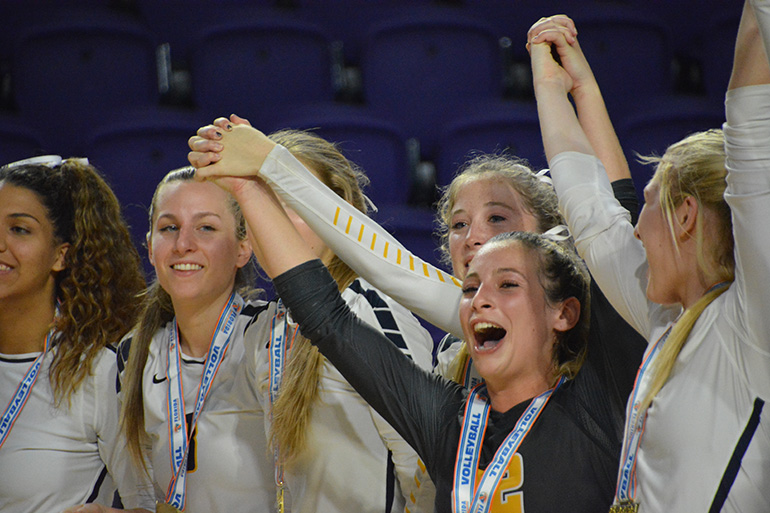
(595, 120)
(407, 397)
(559, 125)
(364, 245)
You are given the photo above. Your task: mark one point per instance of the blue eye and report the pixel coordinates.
(168, 228)
(497, 219)
(459, 225)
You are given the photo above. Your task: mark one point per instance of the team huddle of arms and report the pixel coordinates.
(590, 364)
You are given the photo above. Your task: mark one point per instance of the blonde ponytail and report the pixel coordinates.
(665, 361)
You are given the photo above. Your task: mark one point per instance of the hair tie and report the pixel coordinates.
(45, 160)
(543, 176)
(558, 233)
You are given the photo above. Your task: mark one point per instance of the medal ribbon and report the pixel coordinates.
(178, 437)
(19, 399)
(469, 449)
(282, 335)
(635, 422)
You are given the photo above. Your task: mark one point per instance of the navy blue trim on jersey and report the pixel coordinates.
(19, 360)
(253, 311)
(390, 486)
(123, 350)
(97, 486)
(384, 316)
(731, 472)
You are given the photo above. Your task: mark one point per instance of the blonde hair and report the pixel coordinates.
(694, 167)
(156, 311)
(299, 387)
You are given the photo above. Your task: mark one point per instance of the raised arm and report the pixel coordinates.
(359, 241)
(747, 132)
(591, 111)
(600, 225)
(409, 398)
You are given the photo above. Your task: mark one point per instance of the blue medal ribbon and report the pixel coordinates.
(635, 422)
(464, 499)
(282, 335)
(19, 399)
(178, 432)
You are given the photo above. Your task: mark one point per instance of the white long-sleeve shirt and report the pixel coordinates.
(720, 382)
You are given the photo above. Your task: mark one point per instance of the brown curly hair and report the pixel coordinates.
(97, 290)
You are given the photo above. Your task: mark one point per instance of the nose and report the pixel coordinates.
(185, 240)
(481, 299)
(477, 235)
(636, 231)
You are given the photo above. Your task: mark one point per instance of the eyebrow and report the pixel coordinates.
(24, 215)
(197, 216)
(489, 204)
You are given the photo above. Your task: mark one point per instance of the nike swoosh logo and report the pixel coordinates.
(157, 380)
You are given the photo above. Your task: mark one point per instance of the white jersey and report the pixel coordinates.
(229, 467)
(351, 454)
(705, 439)
(58, 457)
(354, 461)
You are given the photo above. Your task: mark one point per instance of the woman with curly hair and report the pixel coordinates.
(69, 277)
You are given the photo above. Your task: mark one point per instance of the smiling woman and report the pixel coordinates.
(255, 414)
(68, 280)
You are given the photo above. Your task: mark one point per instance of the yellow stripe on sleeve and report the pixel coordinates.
(361, 233)
(398, 256)
(336, 216)
(425, 269)
(350, 221)
(374, 238)
(386, 250)
(411, 263)
(440, 276)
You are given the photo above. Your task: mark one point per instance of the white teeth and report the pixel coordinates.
(485, 326)
(4, 267)
(187, 267)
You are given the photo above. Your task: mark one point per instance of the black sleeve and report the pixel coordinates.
(416, 403)
(625, 193)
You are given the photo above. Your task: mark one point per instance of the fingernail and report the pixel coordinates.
(229, 126)
(219, 134)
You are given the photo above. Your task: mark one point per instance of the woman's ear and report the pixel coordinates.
(59, 263)
(568, 314)
(686, 216)
(148, 241)
(244, 253)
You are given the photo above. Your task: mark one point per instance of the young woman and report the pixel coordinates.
(691, 277)
(491, 195)
(69, 277)
(522, 311)
(270, 381)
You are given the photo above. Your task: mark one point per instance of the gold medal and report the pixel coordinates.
(279, 499)
(162, 507)
(625, 507)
